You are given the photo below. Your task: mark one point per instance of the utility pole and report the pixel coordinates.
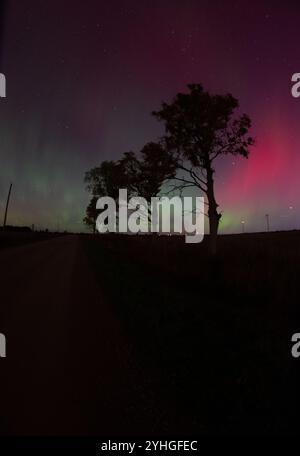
(268, 222)
(243, 226)
(6, 207)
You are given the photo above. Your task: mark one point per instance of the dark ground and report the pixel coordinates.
(14, 239)
(147, 335)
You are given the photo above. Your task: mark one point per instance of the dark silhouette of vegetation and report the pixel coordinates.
(213, 334)
(91, 214)
(146, 174)
(199, 128)
(105, 180)
(141, 175)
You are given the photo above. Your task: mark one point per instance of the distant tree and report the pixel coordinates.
(91, 214)
(103, 180)
(199, 128)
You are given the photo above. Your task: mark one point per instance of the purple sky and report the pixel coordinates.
(83, 78)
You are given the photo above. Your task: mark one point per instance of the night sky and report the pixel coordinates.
(84, 76)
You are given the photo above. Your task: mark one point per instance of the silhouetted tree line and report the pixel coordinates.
(199, 127)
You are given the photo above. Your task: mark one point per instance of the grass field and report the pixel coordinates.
(207, 340)
(216, 331)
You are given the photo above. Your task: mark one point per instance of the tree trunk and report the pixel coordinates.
(214, 219)
(213, 215)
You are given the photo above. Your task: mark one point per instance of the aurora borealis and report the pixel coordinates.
(83, 78)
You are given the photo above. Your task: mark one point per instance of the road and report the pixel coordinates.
(70, 368)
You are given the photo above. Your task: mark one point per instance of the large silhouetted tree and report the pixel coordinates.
(199, 128)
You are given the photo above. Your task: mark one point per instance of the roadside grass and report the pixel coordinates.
(218, 330)
(16, 239)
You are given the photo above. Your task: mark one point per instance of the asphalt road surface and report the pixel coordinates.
(70, 367)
